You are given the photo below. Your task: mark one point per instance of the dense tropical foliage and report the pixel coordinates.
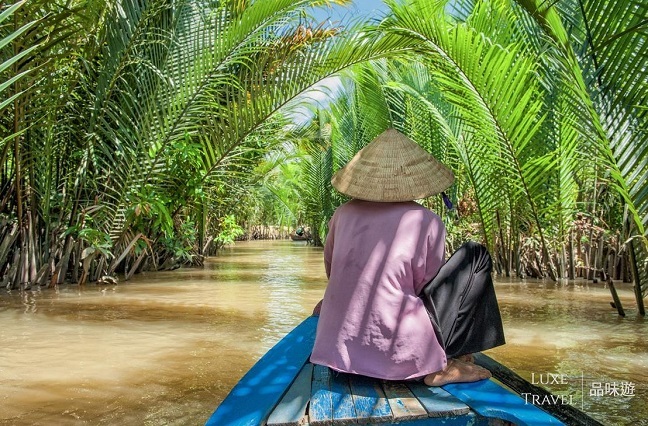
(130, 128)
(539, 114)
(142, 134)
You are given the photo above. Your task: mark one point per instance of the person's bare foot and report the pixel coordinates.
(467, 358)
(317, 309)
(457, 372)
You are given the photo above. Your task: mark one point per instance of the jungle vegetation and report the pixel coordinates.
(143, 134)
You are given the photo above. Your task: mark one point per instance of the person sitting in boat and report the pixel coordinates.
(393, 308)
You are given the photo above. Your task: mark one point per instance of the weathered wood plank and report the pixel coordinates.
(291, 410)
(321, 403)
(403, 403)
(436, 401)
(567, 413)
(256, 394)
(344, 412)
(369, 400)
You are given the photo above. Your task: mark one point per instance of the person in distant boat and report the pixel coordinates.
(393, 308)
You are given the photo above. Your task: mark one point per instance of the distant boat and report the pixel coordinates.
(283, 388)
(301, 234)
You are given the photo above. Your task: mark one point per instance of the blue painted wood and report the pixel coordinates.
(342, 400)
(369, 399)
(437, 401)
(492, 400)
(291, 410)
(256, 394)
(321, 403)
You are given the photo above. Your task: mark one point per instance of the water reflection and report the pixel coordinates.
(571, 330)
(279, 284)
(165, 348)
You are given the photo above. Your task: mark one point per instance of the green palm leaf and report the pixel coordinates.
(604, 62)
(493, 89)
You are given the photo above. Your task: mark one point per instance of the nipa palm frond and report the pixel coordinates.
(493, 89)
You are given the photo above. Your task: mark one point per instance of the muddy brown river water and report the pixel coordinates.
(165, 348)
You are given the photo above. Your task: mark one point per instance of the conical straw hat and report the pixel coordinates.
(392, 168)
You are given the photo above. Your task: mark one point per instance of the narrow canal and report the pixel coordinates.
(165, 348)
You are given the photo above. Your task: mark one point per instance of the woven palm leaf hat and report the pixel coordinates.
(392, 168)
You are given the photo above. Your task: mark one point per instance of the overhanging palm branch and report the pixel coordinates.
(493, 89)
(191, 71)
(10, 60)
(226, 77)
(376, 95)
(608, 43)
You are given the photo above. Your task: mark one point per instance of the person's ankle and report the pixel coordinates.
(457, 372)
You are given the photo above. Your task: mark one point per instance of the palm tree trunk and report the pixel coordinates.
(503, 246)
(571, 259)
(20, 243)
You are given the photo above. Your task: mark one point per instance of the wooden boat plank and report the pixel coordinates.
(261, 388)
(489, 399)
(437, 401)
(344, 412)
(369, 400)
(403, 403)
(291, 410)
(321, 403)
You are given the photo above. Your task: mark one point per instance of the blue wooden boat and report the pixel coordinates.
(283, 388)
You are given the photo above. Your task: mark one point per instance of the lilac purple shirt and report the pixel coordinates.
(378, 257)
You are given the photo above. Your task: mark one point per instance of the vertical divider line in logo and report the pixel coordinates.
(582, 391)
